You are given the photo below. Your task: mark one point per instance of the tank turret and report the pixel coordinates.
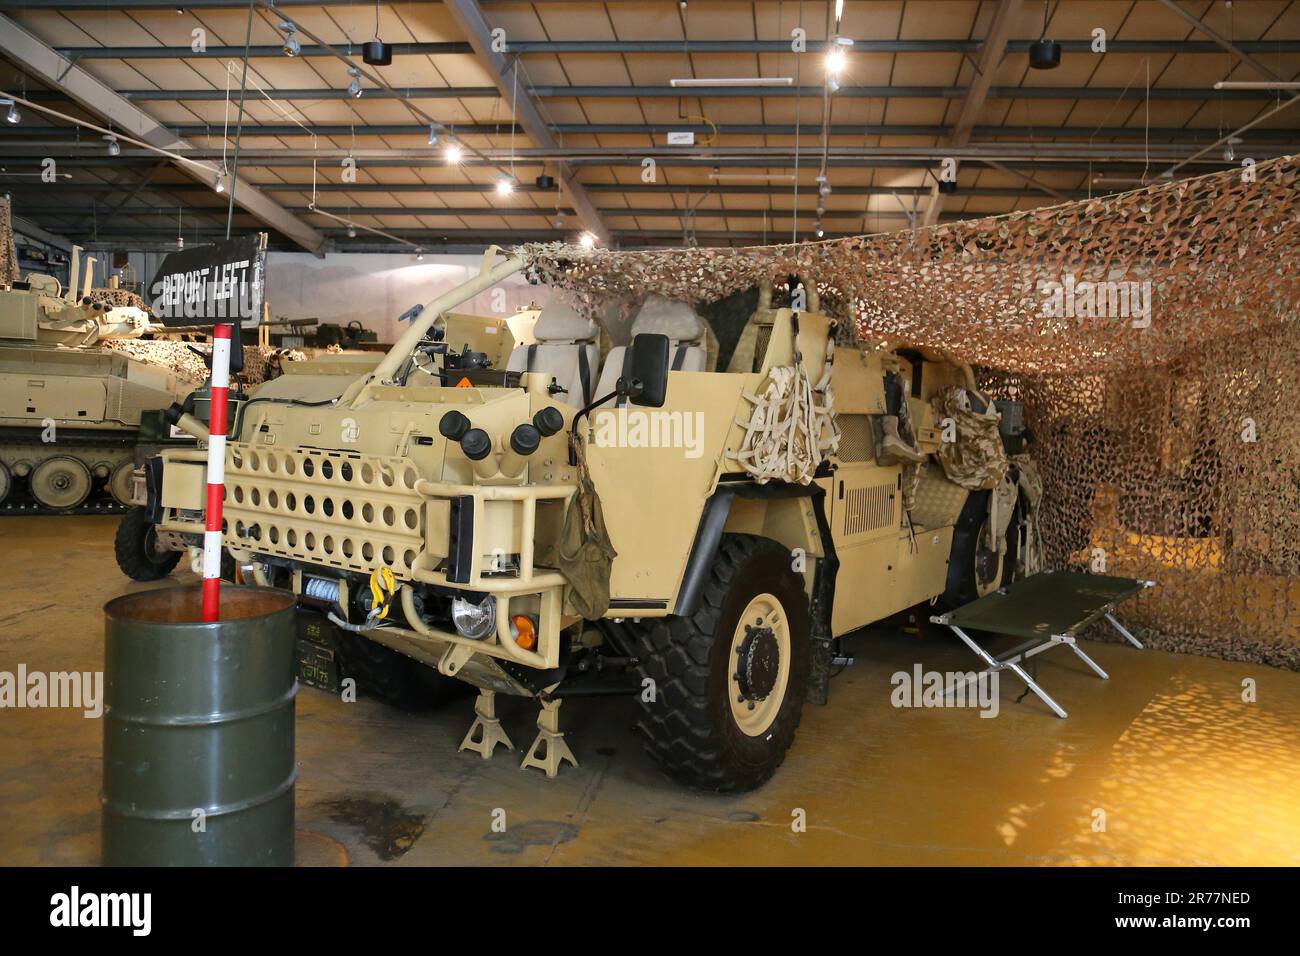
(70, 410)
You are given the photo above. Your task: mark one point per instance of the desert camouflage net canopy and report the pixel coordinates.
(1152, 336)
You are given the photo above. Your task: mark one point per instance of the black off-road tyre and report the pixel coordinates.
(961, 586)
(133, 546)
(394, 678)
(689, 727)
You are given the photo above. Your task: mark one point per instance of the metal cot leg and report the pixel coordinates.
(1124, 631)
(996, 665)
(1096, 668)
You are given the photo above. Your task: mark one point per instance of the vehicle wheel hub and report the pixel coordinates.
(758, 666)
(758, 662)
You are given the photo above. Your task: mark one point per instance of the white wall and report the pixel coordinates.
(375, 288)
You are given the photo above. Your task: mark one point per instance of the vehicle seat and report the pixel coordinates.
(565, 349)
(678, 321)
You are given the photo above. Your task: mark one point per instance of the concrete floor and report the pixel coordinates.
(1185, 772)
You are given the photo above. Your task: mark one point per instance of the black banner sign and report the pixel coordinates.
(217, 283)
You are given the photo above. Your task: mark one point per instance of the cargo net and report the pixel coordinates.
(1153, 339)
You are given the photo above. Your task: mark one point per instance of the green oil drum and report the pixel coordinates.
(198, 729)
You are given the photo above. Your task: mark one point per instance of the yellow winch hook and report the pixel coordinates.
(383, 588)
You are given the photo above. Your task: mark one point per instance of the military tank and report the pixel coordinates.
(70, 411)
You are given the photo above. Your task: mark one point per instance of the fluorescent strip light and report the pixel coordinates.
(734, 81)
(752, 177)
(1256, 85)
(1125, 181)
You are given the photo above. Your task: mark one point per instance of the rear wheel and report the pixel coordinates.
(730, 680)
(136, 548)
(974, 569)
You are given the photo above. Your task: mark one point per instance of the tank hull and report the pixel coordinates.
(70, 426)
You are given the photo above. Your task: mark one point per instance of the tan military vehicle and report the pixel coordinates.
(70, 411)
(641, 523)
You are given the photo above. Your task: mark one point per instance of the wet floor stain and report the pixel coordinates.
(384, 825)
(516, 839)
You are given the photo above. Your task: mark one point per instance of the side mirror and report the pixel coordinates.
(645, 370)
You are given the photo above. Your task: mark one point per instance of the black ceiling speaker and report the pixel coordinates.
(1045, 55)
(544, 182)
(379, 53)
(947, 187)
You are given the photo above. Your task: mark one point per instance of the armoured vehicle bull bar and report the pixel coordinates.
(356, 512)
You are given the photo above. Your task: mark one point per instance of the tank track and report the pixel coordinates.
(29, 506)
(81, 444)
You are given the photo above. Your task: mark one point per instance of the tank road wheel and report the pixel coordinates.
(6, 482)
(136, 548)
(60, 483)
(973, 569)
(121, 482)
(730, 679)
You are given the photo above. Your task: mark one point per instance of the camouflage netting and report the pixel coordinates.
(118, 298)
(176, 356)
(8, 250)
(1152, 337)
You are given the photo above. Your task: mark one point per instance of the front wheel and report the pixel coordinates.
(136, 548)
(730, 680)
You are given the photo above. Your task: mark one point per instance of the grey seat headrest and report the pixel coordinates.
(663, 316)
(560, 322)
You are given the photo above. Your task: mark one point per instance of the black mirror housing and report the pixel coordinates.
(645, 370)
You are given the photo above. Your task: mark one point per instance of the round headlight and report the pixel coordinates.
(475, 621)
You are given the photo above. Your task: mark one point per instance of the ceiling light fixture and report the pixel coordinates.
(505, 186)
(433, 134)
(451, 150)
(376, 52)
(1045, 54)
(1130, 181)
(837, 55)
(219, 184)
(354, 88)
(13, 116)
(352, 231)
(1257, 85)
(419, 253)
(587, 240)
(291, 46)
(114, 149)
(690, 81)
(719, 177)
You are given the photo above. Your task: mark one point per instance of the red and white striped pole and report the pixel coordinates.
(221, 336)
